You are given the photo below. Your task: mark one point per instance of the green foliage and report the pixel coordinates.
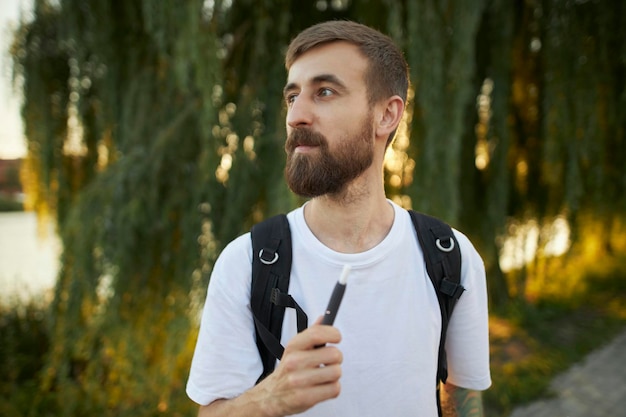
(24, 342)
(134, 189)
(136, 366)
(155, 134)
(442, 75)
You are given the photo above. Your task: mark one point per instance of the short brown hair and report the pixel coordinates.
(387, 72)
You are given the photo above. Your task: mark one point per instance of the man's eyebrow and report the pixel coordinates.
(289, 87)
(328, 78)
(318, 79)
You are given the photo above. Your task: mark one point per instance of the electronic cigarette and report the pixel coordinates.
(336, 297)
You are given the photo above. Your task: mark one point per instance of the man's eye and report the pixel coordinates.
(325, 92)
(289, 99)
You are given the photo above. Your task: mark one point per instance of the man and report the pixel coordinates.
(345, 96)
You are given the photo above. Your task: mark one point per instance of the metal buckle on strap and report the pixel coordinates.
(267, 260)
(443, 248)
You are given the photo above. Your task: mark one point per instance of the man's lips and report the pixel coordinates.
(303, 140)
(304, 148)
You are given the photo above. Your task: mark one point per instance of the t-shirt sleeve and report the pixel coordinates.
(226, 361)
(467, 343)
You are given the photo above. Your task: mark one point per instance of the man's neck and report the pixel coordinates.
(353, 222)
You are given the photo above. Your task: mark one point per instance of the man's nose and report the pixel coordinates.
(300, 112)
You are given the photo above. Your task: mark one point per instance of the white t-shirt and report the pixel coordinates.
(389, 320)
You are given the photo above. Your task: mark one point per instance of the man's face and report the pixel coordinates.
(312, 174)
(329, 121)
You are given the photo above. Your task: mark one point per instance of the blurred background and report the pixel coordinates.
(138, 137)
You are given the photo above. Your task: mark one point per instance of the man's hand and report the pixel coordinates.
(306, 375)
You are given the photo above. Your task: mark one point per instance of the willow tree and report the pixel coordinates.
(440, 51)
(568, 153)
(484, 184)
(121, 100)
(155, 134)
(584, 152)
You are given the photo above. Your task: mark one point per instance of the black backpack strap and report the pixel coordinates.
(443, 264)
(271, 267)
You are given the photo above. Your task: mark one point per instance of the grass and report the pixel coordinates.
(24, 342)
(533, 342)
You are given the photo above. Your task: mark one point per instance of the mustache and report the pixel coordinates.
(301, 136)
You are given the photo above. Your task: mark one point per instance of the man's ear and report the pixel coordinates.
(392, 110)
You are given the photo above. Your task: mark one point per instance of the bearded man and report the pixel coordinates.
(345, 95)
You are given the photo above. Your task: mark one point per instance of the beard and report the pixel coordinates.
(321, 171)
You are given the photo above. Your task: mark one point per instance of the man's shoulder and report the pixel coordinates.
(465, 244)
(238, 249)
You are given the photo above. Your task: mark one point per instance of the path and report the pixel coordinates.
(596, 387)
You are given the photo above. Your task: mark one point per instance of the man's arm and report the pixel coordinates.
(305, 376)
(461, 402)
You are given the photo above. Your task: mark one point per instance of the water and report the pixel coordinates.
(28, 259)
